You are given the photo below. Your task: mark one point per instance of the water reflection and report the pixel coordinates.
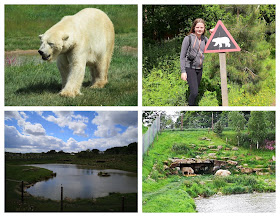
(81, 182)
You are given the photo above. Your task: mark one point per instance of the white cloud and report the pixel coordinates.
(107, 122)
(13, 115)
(76, 123)
(27, 127)
(14, 140)
(34, 129)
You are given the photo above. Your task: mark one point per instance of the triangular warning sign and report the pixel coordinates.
(221, 41)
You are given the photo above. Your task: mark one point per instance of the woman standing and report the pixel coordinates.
(191, 58)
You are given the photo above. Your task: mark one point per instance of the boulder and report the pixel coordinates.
(165, 167)
(211, 146)
(175, 164)
(258, 158)
(235, 149)
(213, 155)
(246, 170)
(220, 147)
(231, 162)
(222, 173)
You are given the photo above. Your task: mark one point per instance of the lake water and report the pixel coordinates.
(81, 182)
(242, 203)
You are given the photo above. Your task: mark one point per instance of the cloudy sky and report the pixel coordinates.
(68, 131)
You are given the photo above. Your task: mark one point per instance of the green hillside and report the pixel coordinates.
(163, 191)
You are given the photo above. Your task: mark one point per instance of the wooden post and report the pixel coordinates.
(223, 73)
(22, 187)
(182, 121)
(212, 122)
(122, 203)
(61, 203)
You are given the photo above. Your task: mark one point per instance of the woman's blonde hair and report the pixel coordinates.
(198, 20)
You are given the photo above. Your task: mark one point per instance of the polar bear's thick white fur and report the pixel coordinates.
(187, 171)
(84, 39)
(222, 173)
(220, 41)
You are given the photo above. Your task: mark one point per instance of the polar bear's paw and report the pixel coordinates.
(99, 84)
(66, 93)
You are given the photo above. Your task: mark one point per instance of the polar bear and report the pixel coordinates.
(187, 170)
(220, 41)
(84, 39)
(222, 173)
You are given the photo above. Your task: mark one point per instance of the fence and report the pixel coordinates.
(149, 136)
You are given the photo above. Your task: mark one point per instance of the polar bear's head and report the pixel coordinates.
(52, 45)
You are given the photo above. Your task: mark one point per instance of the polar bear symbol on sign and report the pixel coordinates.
(220, 41)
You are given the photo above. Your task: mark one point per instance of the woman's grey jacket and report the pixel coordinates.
(192, 52)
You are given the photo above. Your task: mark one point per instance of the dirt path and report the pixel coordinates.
(124, 49)
(21, 52)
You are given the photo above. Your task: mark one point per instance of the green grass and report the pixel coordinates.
(31, 82)
(159, 185)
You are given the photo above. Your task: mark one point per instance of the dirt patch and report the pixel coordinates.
(129, 50)
(21, 52)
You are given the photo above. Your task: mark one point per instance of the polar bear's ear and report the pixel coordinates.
(65, 37)
(40, 36)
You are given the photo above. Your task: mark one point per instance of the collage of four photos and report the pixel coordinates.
(139, 108)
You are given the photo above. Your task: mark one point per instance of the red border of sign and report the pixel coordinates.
(228, 34)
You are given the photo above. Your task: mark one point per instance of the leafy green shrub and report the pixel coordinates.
(234, 190)
(209, 99)
(219, 182)
(182, 148)
(162, 88)
(155, 175)
(218, 128)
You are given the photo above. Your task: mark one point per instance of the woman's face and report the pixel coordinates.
(199, 29)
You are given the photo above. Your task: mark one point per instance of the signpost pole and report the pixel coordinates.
(223, 72)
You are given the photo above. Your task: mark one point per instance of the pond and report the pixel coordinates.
(82, 182)
(242, 203)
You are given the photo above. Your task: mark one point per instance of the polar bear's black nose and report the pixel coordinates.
(40, 52)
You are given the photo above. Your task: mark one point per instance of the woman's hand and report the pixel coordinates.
(184, 76)
(211, 31)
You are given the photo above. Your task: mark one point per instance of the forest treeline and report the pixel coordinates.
(245, 128)
(251, 72)
(131, 149)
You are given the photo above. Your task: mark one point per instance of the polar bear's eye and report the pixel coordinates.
(51, 44)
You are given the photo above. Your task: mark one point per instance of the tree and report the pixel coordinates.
(95, 151)
(218, 128)
(237, 121)
(257, 127)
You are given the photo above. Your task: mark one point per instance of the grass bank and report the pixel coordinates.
(160, 185)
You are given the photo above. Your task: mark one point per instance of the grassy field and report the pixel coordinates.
(15, 172)
(163, 192)
(31, 82)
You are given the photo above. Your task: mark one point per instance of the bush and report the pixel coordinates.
(162, 88)
(218, 128)
(209, 99)
(182, 148)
